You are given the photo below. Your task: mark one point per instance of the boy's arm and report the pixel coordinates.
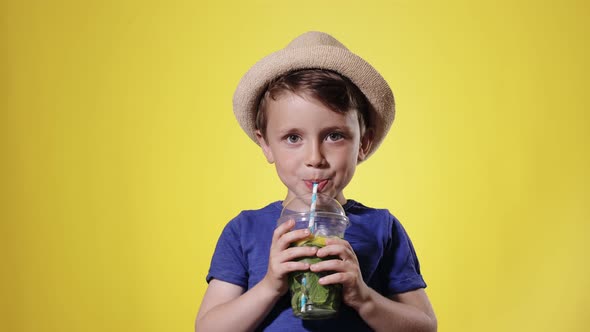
(226, 307)
(410, 311)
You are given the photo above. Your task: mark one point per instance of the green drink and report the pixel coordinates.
(309, 299)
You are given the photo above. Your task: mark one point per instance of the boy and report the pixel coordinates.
(316, 110)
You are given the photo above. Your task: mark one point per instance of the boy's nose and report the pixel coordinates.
(314, 156)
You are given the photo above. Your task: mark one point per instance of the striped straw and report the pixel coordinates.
(314, 197)
(303, 302)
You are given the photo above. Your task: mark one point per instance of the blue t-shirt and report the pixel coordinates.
(386, 257)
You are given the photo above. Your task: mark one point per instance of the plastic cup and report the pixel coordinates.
(309, 299)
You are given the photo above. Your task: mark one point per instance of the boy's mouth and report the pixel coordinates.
(321, 184)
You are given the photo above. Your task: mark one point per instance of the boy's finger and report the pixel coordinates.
(282, 229)
(283, 235)
(298, 252)
(297, 234)
(295, 266)
(333, 250)
(335, 278)
(337, 240)
(334, 265)
(293, 236)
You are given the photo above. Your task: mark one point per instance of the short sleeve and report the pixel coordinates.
(401, 262)
(228, 263)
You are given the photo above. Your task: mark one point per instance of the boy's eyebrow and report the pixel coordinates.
(287, 130)
(338, 127)
(343, 128)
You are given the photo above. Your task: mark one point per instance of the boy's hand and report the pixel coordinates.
(345, 271)
(282, 256)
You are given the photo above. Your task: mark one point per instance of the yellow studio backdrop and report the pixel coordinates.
(122, 162)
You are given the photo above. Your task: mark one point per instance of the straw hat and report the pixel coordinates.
(315, 50)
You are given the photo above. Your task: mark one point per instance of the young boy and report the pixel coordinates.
(316, 110)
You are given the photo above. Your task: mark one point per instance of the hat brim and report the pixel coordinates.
(254, 83)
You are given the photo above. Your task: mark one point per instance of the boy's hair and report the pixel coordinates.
(333, 90)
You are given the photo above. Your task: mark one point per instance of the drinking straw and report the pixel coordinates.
(303, 293)
(314, 197)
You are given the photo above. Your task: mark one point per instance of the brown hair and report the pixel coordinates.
(333, 90)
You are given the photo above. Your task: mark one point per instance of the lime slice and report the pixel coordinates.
(317, 241)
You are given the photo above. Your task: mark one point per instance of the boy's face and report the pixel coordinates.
(309, 143)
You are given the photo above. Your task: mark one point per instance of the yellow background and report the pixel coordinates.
(122, 162)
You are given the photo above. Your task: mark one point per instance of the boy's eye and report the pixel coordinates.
(335, 136)
(293, 138)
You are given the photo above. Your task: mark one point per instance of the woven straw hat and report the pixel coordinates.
(315, 50)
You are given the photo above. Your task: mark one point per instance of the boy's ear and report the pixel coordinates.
(366, 143)
(265, 147)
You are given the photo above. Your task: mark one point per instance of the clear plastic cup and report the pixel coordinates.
(309, 299)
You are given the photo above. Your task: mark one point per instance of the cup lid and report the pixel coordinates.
(302, 204)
